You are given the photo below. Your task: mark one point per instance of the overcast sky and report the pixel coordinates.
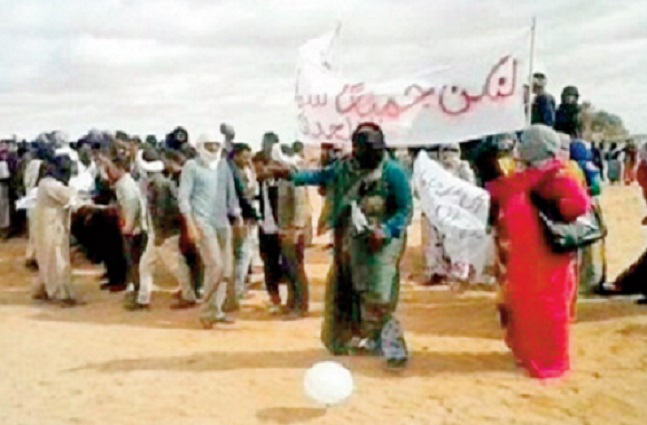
(145, 66)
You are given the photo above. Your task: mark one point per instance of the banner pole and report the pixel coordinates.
(533, 30)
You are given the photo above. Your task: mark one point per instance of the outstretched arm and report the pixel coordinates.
(313, 177)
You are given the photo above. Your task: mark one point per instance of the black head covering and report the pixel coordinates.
(177, 138)
(58, 167)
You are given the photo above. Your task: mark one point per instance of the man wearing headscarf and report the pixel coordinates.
(54, 204)
(207, 198)
(371, 207)
(163, 245)
(177, 138)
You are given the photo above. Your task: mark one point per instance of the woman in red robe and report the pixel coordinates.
(540, 283)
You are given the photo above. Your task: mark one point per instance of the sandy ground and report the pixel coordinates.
(101, 365)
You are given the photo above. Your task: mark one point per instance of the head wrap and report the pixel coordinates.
(209, 158)
(59, 168)
(539, 143)
(505, 142)
(177, 138)
(450, 155)
(148, 161)
(373, 132)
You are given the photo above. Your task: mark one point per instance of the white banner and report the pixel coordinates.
(457, 209)
(455, 103)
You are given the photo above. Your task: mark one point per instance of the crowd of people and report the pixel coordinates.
(204, 210)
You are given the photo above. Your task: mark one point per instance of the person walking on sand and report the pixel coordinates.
(371, 207)
(540, 282)
(207, 197)
(54, 204)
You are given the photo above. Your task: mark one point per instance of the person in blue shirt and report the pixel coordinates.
(370, 209)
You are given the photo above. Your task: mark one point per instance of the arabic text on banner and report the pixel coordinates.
(457, 209)
(453, 103)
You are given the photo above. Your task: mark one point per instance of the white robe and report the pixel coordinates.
(52, 238)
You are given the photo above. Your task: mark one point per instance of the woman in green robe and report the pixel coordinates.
(370, 208)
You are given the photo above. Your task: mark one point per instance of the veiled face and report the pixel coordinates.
(212, 147)
(368, 148)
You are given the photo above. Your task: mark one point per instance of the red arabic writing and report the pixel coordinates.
(355, 104)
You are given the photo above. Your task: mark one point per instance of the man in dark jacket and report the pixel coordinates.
(268, 232)
(567, 116)
(543, 106)
(246, 189)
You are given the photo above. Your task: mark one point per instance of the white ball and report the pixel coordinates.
(328, 383)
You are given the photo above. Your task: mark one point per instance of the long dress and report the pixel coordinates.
(52, 239)
(540, 283)
(362, 287)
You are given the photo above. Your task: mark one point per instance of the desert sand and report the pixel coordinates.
(101, 365)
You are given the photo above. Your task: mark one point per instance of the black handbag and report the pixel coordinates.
(569, 237)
